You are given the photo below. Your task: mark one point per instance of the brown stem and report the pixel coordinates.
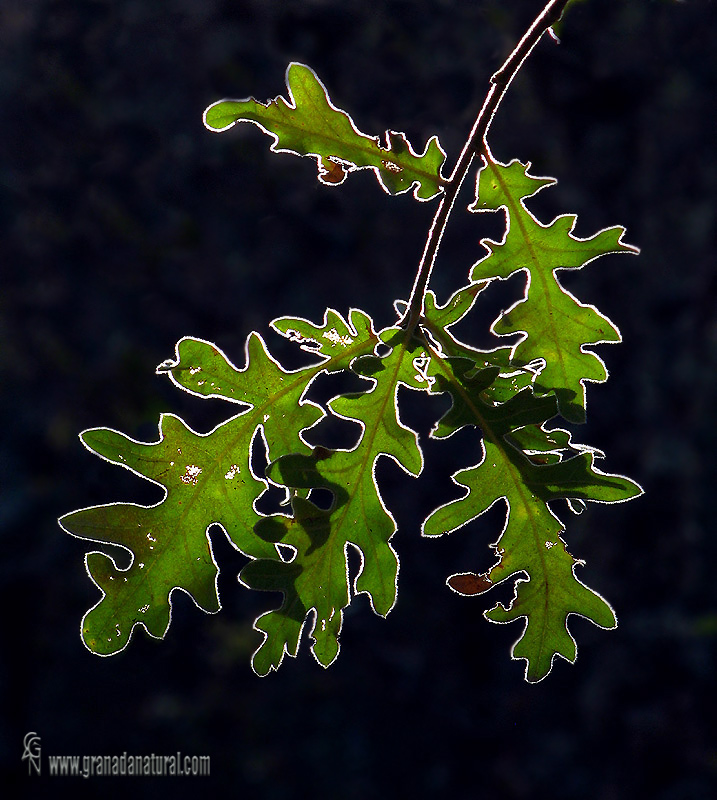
(476, 143)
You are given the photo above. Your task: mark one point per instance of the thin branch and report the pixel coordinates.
(476, 143)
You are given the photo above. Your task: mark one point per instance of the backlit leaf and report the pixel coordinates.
(317, 578)
(557, 327)
(531, 543)
(308, 124)
(207, 479)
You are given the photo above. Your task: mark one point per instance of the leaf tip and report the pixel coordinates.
(211, 116)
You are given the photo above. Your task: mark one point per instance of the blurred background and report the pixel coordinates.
(125, 225)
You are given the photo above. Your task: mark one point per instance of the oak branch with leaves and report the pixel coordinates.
(512, 394)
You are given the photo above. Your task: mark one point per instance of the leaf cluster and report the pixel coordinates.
(514, 395)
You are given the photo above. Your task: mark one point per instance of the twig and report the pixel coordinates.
(476, 143)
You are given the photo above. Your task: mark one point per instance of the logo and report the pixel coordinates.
(31, 752)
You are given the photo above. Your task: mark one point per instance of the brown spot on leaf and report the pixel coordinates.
(469, 583)
(331, 172)
(538, 460)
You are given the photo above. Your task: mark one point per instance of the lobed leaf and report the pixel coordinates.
(556, 327)
(336, 340)
(308, 124)
(316, 579)
(531, 543)
(207, 479)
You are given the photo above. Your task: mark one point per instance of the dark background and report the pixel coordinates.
(126, 225)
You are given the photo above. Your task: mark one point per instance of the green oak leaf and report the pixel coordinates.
(308, 124)
(556, 327)
(316, 579)
(336, 340)
(522, 463)
(207, 479)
